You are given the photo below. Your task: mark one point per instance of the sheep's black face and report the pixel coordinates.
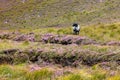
(75, 25)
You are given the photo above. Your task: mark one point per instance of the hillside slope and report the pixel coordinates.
(53, 13)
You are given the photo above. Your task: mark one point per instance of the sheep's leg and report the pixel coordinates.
(73, 32)
(78, 32)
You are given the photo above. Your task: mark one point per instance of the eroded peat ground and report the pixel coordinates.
(52, 56)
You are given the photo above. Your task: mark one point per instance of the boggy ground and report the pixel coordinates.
(58, 55)
(66, 50)
(40, 61)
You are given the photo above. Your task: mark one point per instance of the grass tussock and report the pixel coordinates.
(23, 72)
(43, 74)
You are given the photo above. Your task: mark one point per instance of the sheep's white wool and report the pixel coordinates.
(73, 27)
(76, 28)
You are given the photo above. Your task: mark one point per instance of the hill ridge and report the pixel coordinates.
(39, 13)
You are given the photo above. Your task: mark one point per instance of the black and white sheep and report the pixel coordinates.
(76, 28)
